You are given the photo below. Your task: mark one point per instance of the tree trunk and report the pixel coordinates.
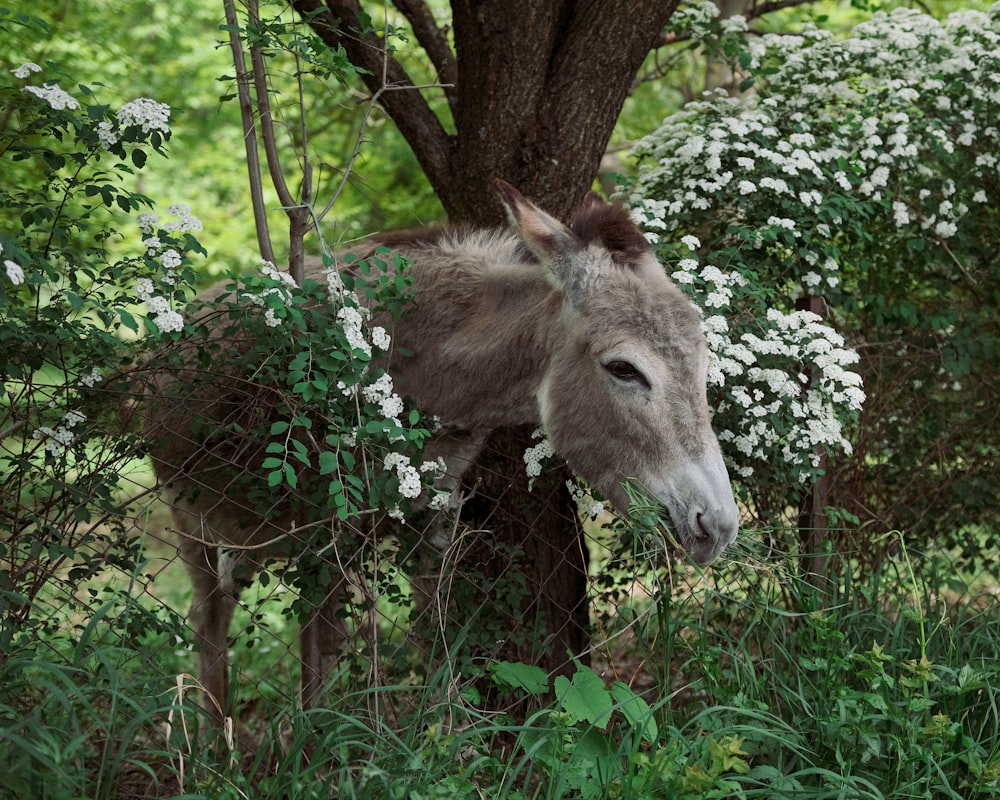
(536, 89)
(537, 533)
(812, 518)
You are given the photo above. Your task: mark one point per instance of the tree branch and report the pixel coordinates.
(755, 11)
(410, 112)
(435, 43)
(249, 134)
(297, 211)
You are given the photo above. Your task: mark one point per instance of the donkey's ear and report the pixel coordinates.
(552, 242)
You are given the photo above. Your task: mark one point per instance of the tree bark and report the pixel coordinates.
(536, 91)
(537, 532)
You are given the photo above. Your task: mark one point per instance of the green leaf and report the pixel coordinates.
(728, 755)
(328, 462)
(290, 476)
(585, 698)
(54, 160)
(532, 679)
(635, 710)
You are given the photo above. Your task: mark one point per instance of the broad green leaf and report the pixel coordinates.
(586, 698)
(532, 679)
(635, 710)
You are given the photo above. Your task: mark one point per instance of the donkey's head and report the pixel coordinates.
(623, 396)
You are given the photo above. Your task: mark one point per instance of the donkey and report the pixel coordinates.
(573, 328)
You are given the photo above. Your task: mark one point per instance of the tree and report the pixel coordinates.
(532, 92)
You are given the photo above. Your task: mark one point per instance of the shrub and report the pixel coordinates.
(861, 171)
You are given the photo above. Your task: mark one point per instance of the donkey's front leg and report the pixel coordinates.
(211, 616)
(322, 641)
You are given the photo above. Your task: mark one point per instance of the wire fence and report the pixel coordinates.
(437, 600)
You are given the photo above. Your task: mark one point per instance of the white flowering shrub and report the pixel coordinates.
(74, 316)
(862, 170)
(783, 380)
(78, 301)
(872, 126)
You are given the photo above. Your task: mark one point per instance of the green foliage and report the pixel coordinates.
(320, 434)
(69, 319)
(76, 686)
(77, 714)
(887, 688)
(340, 148)
(328, 385)
(137, 49)
(873, 698)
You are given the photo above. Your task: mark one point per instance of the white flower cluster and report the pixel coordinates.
(146, 113)
(353, 317)
(535, 454)
(409, 476)
(15, 273)
(55, 96)
(352, 320)
(697, 17)
(864, 116)
(91, 378)
(157, 300)
(106, 135)
(280, 291)
(186, 222)
(62, 436)
(335, 284)
(412, 481)
(166, 318)
(785, 387)
(585, 502)
(380, 391)
(25, 70)
(381, 338)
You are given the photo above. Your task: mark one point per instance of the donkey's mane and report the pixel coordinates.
(596, 222)
(611, 227)
(416, 237)
(499, 243)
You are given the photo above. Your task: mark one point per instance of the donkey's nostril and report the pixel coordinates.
(702, 532)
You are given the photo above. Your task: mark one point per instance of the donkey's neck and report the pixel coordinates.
(480, 335)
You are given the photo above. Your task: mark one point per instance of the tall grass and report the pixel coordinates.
(764, 683)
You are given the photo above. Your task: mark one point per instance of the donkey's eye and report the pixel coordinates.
(626, 372)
